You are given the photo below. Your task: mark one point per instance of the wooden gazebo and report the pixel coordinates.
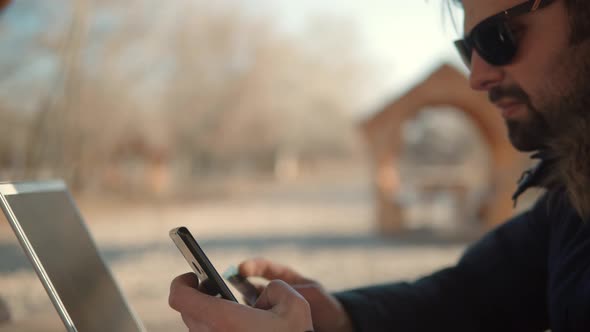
(445, 87)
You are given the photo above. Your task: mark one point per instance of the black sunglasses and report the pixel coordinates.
(493, 39)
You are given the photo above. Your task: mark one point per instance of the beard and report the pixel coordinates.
(528, 134)
(560, 126)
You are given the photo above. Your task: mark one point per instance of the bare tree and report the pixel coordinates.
(209, 87)
(54, 142)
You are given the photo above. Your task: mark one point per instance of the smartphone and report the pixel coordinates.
(210, 281)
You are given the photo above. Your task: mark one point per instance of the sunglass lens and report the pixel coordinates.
(495, 43)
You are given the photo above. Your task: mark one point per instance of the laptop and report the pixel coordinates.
(53, 235)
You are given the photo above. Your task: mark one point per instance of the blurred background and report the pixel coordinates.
(246, 121)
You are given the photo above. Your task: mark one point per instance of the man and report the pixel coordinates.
(533, 272)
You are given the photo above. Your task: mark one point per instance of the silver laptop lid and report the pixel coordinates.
(51, 231)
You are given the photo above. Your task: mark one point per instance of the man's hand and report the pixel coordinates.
(327, 313)
(279, 308)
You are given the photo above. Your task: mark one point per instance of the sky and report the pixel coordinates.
(407, 39)
(403, 39)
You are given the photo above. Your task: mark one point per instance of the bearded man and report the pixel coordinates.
(531, 273)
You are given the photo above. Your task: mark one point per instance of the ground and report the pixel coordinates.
(323, 228)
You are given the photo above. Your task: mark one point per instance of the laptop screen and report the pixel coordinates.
(56, 233)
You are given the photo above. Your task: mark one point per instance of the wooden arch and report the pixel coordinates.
(444, 87)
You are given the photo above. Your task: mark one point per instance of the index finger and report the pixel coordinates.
(260, 267)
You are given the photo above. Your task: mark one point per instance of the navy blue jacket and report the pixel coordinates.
(530, 274)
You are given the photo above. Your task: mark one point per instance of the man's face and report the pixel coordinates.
(529, 90)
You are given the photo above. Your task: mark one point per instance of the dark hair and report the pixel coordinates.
(579, 15)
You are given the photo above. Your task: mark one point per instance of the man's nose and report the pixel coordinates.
(484, 76)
